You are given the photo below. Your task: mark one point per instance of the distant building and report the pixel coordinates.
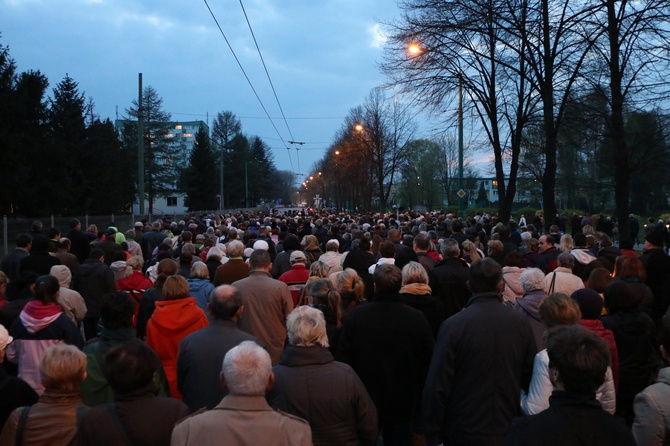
(528, 190)
(180, 133)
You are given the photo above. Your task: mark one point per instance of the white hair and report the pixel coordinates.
(199, 270)
(532, 279)
(247, 369)
(307, 326)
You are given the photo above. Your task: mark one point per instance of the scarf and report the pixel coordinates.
(419, 289)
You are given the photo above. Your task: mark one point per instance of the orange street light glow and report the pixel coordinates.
(414, 49)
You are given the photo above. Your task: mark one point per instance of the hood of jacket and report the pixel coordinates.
(511, 276)
(295, 356)
(582, 256)
(135, 282)
(118, 266)
(175, 315)
(198, 284)
(530, 302)
(36, 315)
(63, 274)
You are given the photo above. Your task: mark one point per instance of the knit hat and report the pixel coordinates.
(5, 338)
(655, 238)
(590, 303)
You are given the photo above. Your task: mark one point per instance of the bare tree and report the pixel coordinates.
(632, 40)
(464, 44)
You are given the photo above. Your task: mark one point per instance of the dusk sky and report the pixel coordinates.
(321, 55)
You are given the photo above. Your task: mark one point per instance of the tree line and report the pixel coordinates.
(60, 158)
(524, 66)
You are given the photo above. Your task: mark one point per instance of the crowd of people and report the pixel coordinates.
(332, 329)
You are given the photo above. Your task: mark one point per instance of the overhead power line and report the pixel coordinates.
(248, 80)
(267, 73)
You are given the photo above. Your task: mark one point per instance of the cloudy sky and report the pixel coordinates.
(321, 55)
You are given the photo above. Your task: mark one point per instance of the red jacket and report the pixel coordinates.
(295, 278)
(170, 323)
(597, 327)
(135, 285)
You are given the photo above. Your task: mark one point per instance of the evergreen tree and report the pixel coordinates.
(226, 127)
(107, 167)
(196, 179)
(67, 135)
(26, 189)
(162, 152)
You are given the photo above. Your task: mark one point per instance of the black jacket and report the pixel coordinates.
(572, 419)
(448, 281)
(93, 280)
(389, 345)
(326, 393)
(483, 357)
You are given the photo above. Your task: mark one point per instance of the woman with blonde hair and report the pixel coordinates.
(323, 296)
(471, 252)
(559, 310)
(351, 288)
(176, 316)
(416, 293)
(566, 243)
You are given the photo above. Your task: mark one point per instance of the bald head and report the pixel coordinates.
(225, 303)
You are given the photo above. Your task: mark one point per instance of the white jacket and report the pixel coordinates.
(540, 389)
(566, 282)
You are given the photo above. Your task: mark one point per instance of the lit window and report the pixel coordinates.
(177, 127)
(495, 183)
(172, 201)
(170, 135)
(188, 135)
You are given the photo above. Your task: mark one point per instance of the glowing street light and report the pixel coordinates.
(414, 49)
(359, 127)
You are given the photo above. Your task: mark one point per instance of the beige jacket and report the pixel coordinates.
(240, 421)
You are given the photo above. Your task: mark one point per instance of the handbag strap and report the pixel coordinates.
(553, 282)
(20, 427)
(122, 426)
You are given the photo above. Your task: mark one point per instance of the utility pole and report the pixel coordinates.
(246, 186)
(140, 149)
(223, 153)
(461, 195)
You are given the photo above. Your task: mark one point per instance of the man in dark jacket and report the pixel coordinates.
(448, 280)
(201, 353)
(657, 264)
(578, 359)
(389, 344)
(11, 263)
(483, 356)
(548, 260)
(404, 254)
(152, 239)
(93, 280)
(80, 246)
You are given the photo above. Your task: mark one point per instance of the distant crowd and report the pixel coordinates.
(335, 329)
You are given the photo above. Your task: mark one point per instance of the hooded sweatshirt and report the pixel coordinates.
(513, 288)
(171, 321)
(71, 302)
(38, 327)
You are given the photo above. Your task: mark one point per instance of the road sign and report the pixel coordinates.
(461, 193)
